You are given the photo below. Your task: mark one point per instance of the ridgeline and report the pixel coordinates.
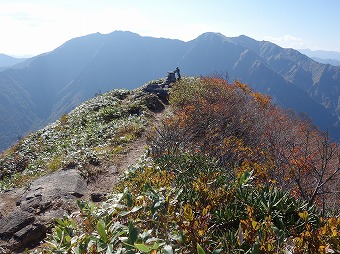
(224, 170)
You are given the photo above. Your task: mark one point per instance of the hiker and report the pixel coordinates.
(178, 73)
(171, 77)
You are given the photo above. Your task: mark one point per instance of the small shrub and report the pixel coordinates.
(55, 164)
(64, 119)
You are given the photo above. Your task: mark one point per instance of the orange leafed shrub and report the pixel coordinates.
(246, 131)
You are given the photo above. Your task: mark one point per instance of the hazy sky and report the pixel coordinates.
(30, 27)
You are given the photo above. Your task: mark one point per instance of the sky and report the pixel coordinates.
(32, 27)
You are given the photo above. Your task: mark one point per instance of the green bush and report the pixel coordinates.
(189, 204)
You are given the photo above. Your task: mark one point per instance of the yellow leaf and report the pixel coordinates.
(334, 232)
(303, 215)
(206, 210)
(188, 214)
(255, 225)
(322, 249)
(201, 232)
(270, 246)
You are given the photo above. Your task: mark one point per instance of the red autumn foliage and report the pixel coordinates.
(246, 131)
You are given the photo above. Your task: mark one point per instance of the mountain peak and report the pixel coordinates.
(124, 33)
(211, 36)
(246, 38)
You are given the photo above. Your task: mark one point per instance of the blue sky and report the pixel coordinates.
(30, 27)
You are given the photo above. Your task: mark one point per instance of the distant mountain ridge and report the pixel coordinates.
(292, 79)
(323, 54)
(41, 89)
(7, 61)
(320, 81)
(333, 62)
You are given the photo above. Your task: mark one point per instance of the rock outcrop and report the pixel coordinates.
(24, 224)
(162, 89)
(158, 89)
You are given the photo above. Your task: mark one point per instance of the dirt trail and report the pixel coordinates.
(105, 182)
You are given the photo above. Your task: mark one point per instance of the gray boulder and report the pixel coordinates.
(48, 197)
(65, 183)
(158, 89)
(14, 222)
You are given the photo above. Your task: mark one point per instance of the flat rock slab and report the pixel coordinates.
(14, 222)
(8, 201)
(64, 184)
(27, 213)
